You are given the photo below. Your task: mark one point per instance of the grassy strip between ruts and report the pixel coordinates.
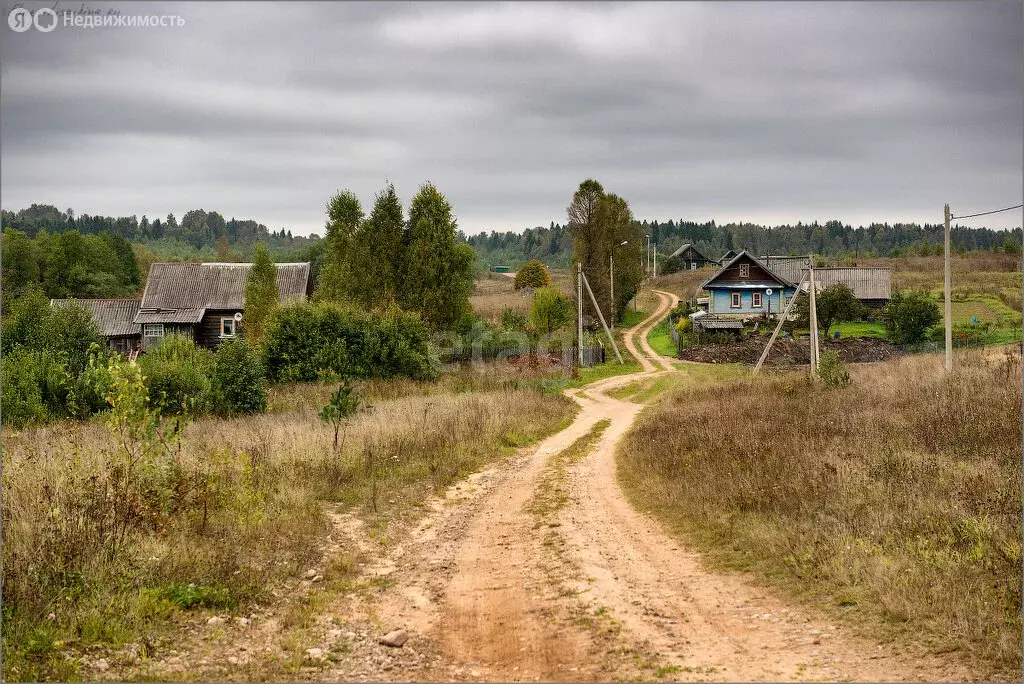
(894, 502)
(660, 339)
(237, 508)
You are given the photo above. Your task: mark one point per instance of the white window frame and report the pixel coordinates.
(755, 300)
(735, 300)
(234, 330)
(693, 265)
(744, 270)
(150, 330)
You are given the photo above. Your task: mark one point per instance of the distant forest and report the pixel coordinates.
(199, 235)
(69, 255)
(553, 245)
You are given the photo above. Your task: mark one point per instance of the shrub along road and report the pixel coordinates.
(539, 569)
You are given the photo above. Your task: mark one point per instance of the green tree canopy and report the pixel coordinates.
(551, 310)
(439, 276)
(532, 274)
(262, 295)
(835, 303)
(378, 252)
(908, 315)
(344, 214)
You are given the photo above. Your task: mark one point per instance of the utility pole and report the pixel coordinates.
(814, 321)
(611, 288)
(600, 317)
(579, 309)
(647, 268)
(655, 259)
(949, 302)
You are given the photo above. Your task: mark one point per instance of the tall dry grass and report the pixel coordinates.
(494, 293)
(237, 507)
(896, 500)
(684, 284)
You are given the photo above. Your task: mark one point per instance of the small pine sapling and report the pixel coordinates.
(344, 404)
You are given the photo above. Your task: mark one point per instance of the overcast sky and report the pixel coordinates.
(763, 112)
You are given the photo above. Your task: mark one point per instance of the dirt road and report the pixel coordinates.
(539, 569)
(603, 592)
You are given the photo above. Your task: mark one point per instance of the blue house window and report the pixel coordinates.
(755, 300)
(735, 303)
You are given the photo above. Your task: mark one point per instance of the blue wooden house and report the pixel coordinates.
(745, 287)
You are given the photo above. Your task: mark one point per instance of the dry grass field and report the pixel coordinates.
(99, 552)
(974, 275)
(684, 284)
(894, 502)
(494, 293)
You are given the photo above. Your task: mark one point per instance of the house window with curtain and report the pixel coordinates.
(736, 301)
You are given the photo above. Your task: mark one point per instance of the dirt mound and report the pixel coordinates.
(788, 352)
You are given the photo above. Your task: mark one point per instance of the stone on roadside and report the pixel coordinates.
(311, 573)
(315, 655)
(395, 639)
(216, 620)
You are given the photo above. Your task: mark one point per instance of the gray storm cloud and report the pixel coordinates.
(735, 111)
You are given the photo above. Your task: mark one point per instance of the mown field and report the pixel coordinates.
(110, 534)
(894, 502)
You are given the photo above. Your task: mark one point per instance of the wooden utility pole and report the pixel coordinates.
(814, 320)
(600, 316)
(611, 289)
(949, 301)
(579, 309)
(655, 259)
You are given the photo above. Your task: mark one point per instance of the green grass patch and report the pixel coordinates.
(660, 339)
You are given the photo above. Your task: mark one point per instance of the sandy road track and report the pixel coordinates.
(594, 590)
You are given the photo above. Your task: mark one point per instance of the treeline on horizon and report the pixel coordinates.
(198, 234)
(553, 245)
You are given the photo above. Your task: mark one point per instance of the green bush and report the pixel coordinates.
(908, 315)
(550, 310)
(514, 319)
(832, 371)
(532, 274)
(177, 374)
(31, 322)
(305, 340)
(239, 379)
(36, 387)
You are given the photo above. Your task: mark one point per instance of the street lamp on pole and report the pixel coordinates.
(611, 283)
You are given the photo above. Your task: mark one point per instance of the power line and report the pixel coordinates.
(986, 213)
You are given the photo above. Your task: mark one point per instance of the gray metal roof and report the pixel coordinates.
(709, 323)
(115, 317)
(181, 293)
(789, 267)
(867, 282)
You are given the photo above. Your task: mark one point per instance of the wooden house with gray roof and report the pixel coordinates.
(206, 302)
